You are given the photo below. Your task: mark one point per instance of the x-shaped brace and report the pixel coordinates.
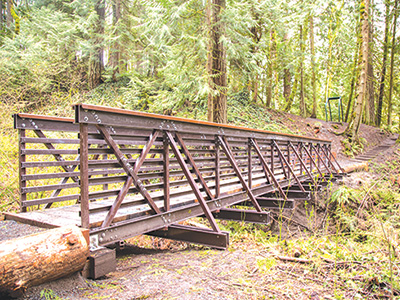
(132, 171)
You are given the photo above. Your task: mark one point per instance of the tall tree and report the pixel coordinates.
(370, 97)
(353, 79)
(302, 102)
(384, 58)
(1, 16)
(355, 122)
(287, 75)
(271, 57)
(96, 63)
(393, 48)
(313, 69)
(115, 50)
(216, 65)
(9, 17)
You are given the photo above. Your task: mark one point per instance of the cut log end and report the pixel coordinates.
(41, 257)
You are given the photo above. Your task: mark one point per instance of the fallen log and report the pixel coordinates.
(362, 166)
(41, 257)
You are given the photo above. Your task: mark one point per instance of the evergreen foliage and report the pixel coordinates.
(158, 50)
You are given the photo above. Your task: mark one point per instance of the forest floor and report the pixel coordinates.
(255, 266)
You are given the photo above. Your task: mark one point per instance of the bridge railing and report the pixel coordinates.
(134, 172)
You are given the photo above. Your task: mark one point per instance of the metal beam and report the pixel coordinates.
(290, 194)
(277, 203)
(250, 216)
(195, 235)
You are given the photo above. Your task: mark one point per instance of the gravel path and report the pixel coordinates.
(10, 230)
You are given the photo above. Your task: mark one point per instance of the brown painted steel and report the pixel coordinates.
(251, 216)
(198, 169)
(320, 159)
(289, 167)
(22, 171)
(84, 176)
(192, 183)
(98, 108)
(124, 191)
(260, 156)
(166, 175)
(226, 148)
(302, 164)
(193, 164)
(201, 236)
(128, 168)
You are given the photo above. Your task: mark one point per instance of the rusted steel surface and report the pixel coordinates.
(132, 172)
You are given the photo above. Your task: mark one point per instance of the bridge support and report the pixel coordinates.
(195, 235)
(250, 216)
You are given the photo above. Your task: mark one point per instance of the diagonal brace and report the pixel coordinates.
(301, 162)
(260, 156)
(124, 191)
(131, 171)
(288, 165)
(193, 164)
(192, 182)
(312, 159)
(225, 147)
(320, 158)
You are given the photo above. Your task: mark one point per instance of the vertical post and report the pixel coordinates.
(84, 174)
(329, 156)
(166, 173)
(311, 158)
(249, 165)
(22, 171)
(288, 160)
(300, 147)
(217, 170)
(320, 157)
(272, 157)
(105, 157)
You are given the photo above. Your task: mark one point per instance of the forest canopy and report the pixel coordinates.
(162, 55)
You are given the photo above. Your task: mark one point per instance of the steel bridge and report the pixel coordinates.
(122, 173)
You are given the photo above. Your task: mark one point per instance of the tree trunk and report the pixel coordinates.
(1, 16)
(293, 93)
(217, 64)
(97, 58)
(9, 17)
(390, 105)
(287, 76)
(41, 257)
(355, 123)
(272, 53)
(209, 61)
(302, 102)
(384, 59)
(353, 79)
(370, 100)
(115, 52)
(313, 76)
